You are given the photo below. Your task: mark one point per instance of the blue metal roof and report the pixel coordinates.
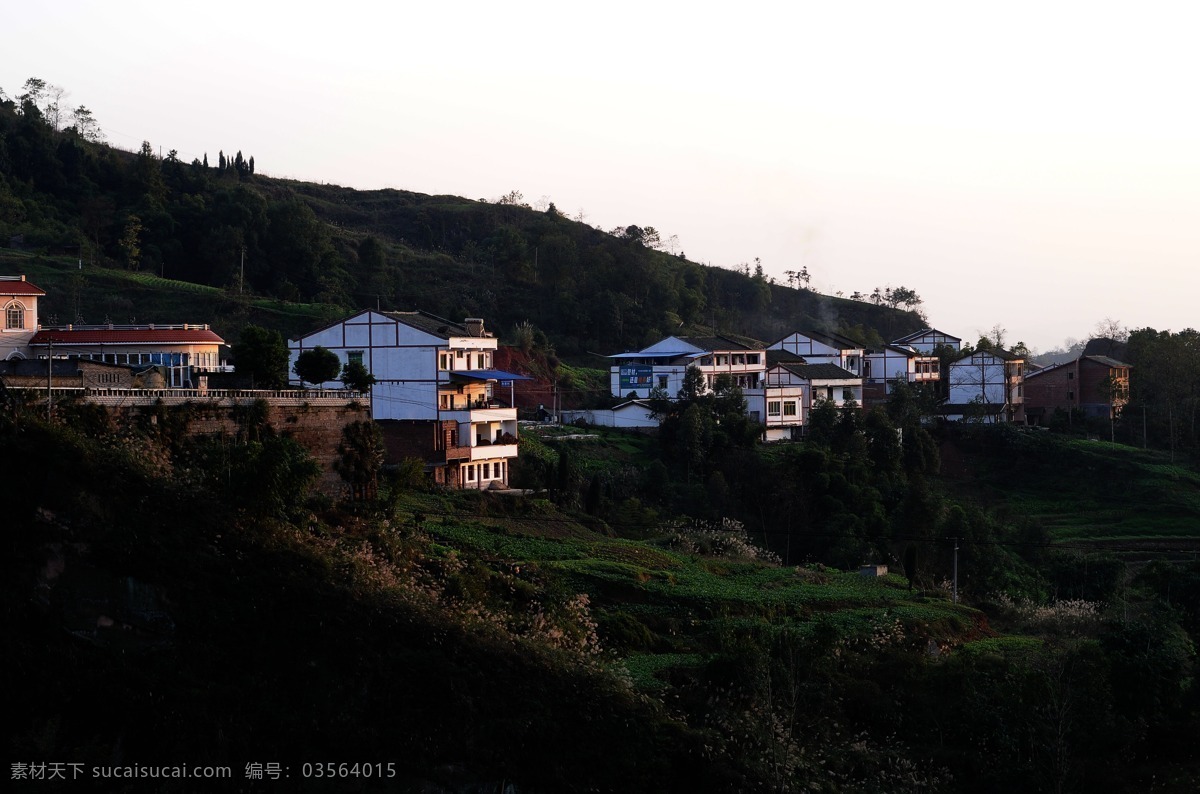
(489, 374)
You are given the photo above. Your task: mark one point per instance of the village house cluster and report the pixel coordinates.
(783, 381)
(439, 397)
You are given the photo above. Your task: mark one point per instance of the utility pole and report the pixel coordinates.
(956, 570)
(50, 380)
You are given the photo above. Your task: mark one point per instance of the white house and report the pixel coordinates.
(792, 387)
(986, 386)
(928, 340)
(781, 405)
(883, 366)
(663, 364)
(824, 348)
(435, 391)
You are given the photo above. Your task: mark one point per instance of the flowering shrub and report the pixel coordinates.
(1073, 616)
(726, 538)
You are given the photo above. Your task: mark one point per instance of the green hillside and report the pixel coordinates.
(226, 227)
(1082, 490)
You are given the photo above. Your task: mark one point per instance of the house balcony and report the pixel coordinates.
(490, 452)
(479, 413)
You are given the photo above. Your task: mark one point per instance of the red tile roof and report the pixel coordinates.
(19, 287)
(126, 336)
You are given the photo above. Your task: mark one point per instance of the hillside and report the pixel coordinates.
(1080, 490)
(308, 245)
(476, 640)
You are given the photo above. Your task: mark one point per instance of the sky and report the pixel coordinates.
(1032, 165)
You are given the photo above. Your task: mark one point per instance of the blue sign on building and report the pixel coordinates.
(636, 376)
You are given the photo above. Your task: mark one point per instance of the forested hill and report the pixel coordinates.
(64, 192)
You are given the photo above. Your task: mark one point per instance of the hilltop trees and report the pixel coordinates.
(225, 227)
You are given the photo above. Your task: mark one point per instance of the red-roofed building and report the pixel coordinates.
(19, 300)
(180, 350)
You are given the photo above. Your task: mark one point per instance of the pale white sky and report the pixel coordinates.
(1035, 165)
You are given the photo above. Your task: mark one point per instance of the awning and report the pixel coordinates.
(488, 374)
(675, 354)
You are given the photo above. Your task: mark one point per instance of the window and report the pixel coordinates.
(739, 358)
(847, 394)
(789, 408)
(1070, 376)
(14, 316)
(662, 381)
(487, 472)
(443, 361)
(752, 358)
(470, 474)
(354, 357)
(773, 408)
(1070, 395)
(480, 360)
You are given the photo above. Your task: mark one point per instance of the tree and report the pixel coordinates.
(361, 454)
(54, 111)
(262, 354)
(131, 246)
(317, 365)
(34, 89)
(1108, 328)
(356, 377)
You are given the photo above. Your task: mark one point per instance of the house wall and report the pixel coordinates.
(817, 352)
(979, 376)
(926, 343)
(14, 342)
(1080, 384)
(840, 391)
(1055, 388)
(1094, 387)
(633, 417)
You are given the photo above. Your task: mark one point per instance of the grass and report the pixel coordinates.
(1092, 491)
(99, 294)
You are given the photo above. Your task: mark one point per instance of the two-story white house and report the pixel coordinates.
(435, 395)
(792, 386)
(986, 386)
(663, 364)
